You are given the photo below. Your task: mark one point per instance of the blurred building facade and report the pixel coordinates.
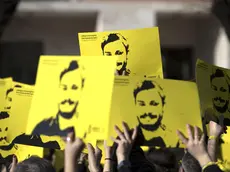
(187, 30)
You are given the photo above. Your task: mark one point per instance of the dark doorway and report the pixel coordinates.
(20, 60)
(178, 63)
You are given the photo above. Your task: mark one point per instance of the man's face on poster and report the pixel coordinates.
(220, 90)
(117, 48)
(8, 100)
(70, 90)
(150, 109)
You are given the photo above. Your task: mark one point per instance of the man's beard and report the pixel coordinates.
(68, 115)
(123, 68)
(150, 127)
(220, 109)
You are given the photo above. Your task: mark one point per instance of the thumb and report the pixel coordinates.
(13, 164)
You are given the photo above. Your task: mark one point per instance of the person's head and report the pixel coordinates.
(34, 164)
(116, 45)
(150, 101)
(221, 88)
(9, 98)
(71, 84)
(190, 164)
(162, 157)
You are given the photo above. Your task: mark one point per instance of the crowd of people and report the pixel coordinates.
(126, 155)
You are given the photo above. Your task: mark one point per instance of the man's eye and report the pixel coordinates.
(64, 88)
(214, 88)
(74, 87)
(223, 89)
(118, 53)
(141, 103)
(108, 53)
(153, 103)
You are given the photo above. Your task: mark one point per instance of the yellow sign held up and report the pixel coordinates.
(138, 50)
(214, 87)
(158, 106)
(70, 92)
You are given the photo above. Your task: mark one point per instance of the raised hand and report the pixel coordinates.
(73, 149)
(94, 158)
(124, 142)
(195, 144)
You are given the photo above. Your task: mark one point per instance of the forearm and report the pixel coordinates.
(204, 160)
(70, 165)
(108, 167)
(212, 149)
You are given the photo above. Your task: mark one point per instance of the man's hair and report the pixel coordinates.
(72, 66)
(12, 89)
(218, 74)
(9, 91)
(147, 85)
(34, 164)
(190, 164)
(115, 37)
(17, 86)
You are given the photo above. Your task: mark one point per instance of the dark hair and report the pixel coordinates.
(34, 164)
(4, 115)
(218, 74)
(12, 89)
(146, 85)
(190, 164)
(17, 86)
(9, 91)
(162, 157)
(72, 66)
(114, 37)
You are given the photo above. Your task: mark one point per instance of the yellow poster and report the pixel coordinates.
(71, 91)
(22, 152)
(158, 107)
(138, 50)
(214, 87)
(5, 89)
(19, 113)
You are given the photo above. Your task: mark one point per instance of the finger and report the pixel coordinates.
(190, 132)
(126, 131)
(119, 133)
(13, 164)
(182, 138)
(79, 144)
(134, 135)
(115, 140)
(196, 134)
(105, 144)
(70, 137)
(98, 154)
(202, 139)
(91, 156)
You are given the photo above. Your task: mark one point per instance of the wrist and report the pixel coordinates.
(121, 158)
(203, 160)
(213, 137)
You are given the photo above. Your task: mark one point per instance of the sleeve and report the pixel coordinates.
(124, 166)
(211, 168)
